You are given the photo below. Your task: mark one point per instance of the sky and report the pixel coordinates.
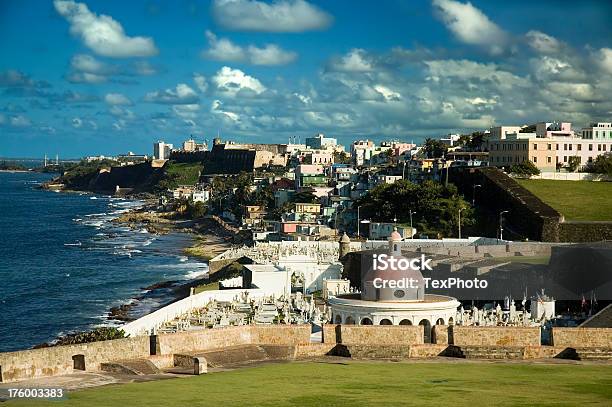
(105, 77)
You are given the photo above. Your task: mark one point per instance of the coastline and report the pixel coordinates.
(209, 240)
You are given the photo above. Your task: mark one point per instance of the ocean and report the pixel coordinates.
(64, 263)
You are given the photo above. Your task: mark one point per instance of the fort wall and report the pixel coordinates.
(494, 336)
(582, 337)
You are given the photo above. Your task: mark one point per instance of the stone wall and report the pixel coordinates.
(528, 215)
(585, 231)
(188, 342)
(280, 334)
(373, 335)
(58, 360)
(582, 337)
(440, 334)
(495, 336)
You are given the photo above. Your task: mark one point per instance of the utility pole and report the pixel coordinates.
(501, 227)
(358, 221)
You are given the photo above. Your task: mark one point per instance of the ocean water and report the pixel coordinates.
(64, 264)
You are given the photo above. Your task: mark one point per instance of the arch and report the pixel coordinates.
(405, 322)
(366, 321)
(440, 321)
(451, 321)
(338, 319)
(349, 320)
(78, 362)
(385, 321)
(426, 330)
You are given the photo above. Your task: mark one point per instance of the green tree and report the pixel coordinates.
(601, 165)
(434, 148)
(341, 157)
(196, 210)
(573, 163)
(436, 206)
(305, 196)
(524, 169)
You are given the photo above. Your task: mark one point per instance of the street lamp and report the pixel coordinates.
(501, 228)
(460, 209)
(411, 229)
(404, 171)
(474, 194)
(358, 221)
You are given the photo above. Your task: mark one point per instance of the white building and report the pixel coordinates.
(161, 150)
(200, 196)
(450, 140)
(597, 131)
(320, 142)
(362, 151)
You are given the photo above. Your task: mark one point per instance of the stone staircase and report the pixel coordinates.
(588, 353)
(247, 354)
(372, 351)
(490, 352)
(138, 367)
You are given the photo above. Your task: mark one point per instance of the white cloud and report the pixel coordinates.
(604, 59)
(216, 109)
(182, 94)
(77, 122)
(187, 111)
(280, 16)
(87, 63)
(356, 60)
(471, 26)
(117, 99)
(101, 33)
(270, 55)
(222, 49)
(20, 121)
(543, 43)
(86, 77)
(232, 81)
(387, 93)
(200, 82)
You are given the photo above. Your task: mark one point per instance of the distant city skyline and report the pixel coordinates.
(106, 77)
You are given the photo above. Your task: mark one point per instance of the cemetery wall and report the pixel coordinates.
(495, 336)
(440, 334)
(280, 334)
(58, 360)
(582, 337)
(373, 334)
(206, 339)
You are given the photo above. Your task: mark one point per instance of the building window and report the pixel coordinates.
(557, 147)
(564, 158)
(564, 147)
(579, 146)
(535, 146)
(549, 159)
(570, 147)
(550, 146)
(535, 159)
(590, 147)
(598, 147)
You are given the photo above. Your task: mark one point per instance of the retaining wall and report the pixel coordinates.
(373, 334)
(495, 336)
(582, 337)
(58, 360)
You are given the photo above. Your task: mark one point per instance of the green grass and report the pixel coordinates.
(366, 384)
(207, 287)
(576, 200)
(186, 173)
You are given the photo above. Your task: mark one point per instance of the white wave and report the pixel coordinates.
(73, 244)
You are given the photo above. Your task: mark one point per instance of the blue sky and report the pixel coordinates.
(104, 77)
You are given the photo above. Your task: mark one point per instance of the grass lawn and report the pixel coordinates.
(186, 173)
(576, 200)
(366, 384)
(207, 287)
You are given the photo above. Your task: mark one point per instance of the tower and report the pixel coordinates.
(345, 246)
